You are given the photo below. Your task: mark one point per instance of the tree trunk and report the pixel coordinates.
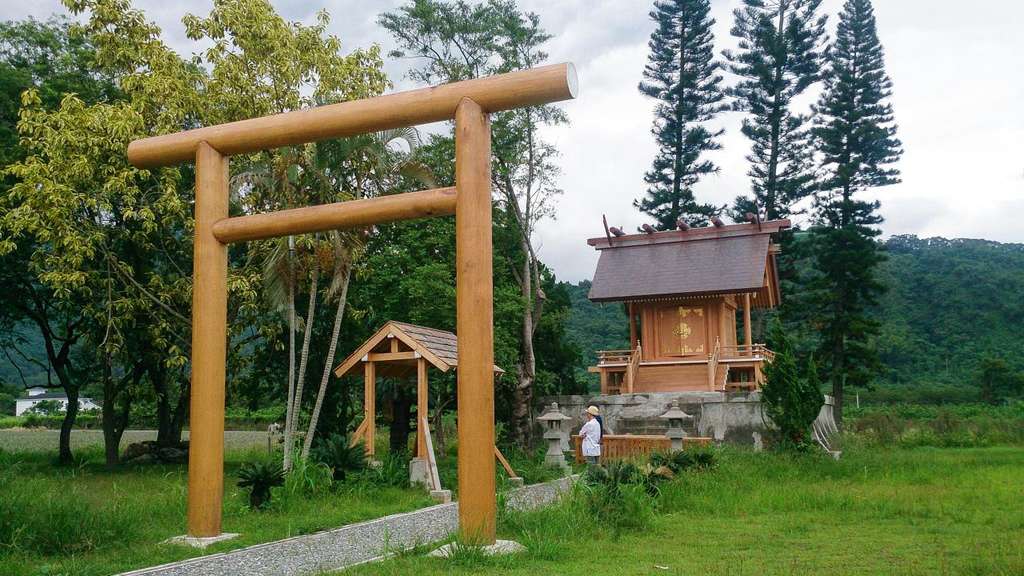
(111, 439)
(838, 381)
(65, 456)
(304, 357)
(526, 371)
(287, 461)
(328, 364)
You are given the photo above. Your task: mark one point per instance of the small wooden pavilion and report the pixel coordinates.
(401, 350)
(682, 291)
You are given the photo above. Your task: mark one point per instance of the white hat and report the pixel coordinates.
(593, 410)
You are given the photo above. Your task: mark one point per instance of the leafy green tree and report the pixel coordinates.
(102, 227)
(455, 41)
(791, 400)
(683, 76)
(41, 64)
(780, 55)
(998, 381)
(856, 137)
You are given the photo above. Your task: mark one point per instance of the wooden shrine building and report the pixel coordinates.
(401, 350)
(682, 291)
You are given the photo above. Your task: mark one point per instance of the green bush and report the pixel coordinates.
(620, 494)
(683, 460)
(308, 478)
(259, 478)
(336, 453)
(791, 399)
(391, 469)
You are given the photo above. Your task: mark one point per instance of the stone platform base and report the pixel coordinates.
(499, 548)
(198, 542)
(725, 416)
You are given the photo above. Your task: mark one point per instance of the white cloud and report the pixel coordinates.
(957, 99)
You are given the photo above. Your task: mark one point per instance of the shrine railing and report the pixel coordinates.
(724, 352)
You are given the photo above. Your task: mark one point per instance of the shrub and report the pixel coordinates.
(335, 452)
(619, 495)
(308, 478)
(259, 478)
(391, 469)
(791, 400)
(682, 460)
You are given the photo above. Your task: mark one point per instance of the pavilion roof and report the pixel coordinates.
(731, 259)
(438, 347)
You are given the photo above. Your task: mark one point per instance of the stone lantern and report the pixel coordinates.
(553, 420)
(676, 417)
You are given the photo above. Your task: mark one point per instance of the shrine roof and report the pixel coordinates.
(713, 260)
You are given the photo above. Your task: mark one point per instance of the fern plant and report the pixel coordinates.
(335, 453)
(259, 478)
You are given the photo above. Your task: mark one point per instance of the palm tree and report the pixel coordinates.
(377, 167)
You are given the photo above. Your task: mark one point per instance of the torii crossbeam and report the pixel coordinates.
(469, 104)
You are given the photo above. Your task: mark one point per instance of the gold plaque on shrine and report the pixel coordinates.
(682, 331)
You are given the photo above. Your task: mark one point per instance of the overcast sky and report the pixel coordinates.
(959, 102)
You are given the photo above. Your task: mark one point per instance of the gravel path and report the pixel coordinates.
(354, 544)
(23, 440)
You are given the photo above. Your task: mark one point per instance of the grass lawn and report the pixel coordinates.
(86, 520)
(877, 511)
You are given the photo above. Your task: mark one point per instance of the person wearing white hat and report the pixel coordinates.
(590, 433)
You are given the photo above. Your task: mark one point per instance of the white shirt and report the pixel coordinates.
(591, 434)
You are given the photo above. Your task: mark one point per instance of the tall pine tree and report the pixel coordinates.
(682, 74)
(855, 135)
(780, 55)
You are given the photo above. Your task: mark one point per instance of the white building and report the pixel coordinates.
(39, 394)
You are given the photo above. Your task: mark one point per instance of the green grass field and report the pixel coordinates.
(88, 521)
(876, 511)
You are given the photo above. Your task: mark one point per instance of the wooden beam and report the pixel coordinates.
(370, 406)
(532, 87)
(747, 330)
(435, 478)
(475, 324)
(422, 406)
(351, 214)
(504, 463)
(392, 356)
(358, 434)
(209, 347)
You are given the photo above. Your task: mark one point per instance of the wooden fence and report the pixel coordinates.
(630, 446)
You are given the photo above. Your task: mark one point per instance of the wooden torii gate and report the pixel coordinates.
(469, 104)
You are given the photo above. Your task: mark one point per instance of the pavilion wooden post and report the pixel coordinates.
(632, 327)
(370, 405)
(474, 322)
(422, 406)
(746, 323)
(209, 347)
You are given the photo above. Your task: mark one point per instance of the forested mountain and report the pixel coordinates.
(948, 304)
